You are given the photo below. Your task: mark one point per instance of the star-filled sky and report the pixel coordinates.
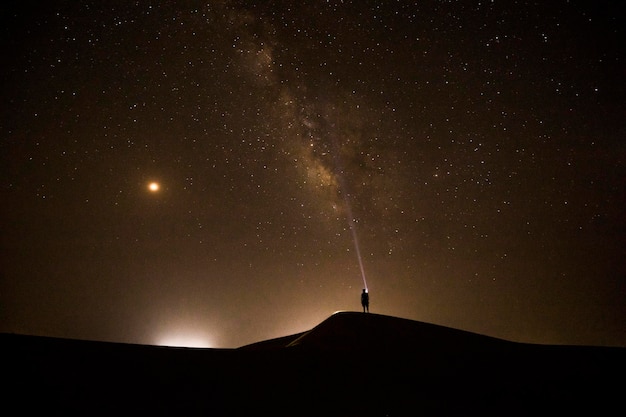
(208, 173)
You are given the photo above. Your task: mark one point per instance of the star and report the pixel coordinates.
(154, 187)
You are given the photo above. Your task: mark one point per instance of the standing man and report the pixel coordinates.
(365, 301)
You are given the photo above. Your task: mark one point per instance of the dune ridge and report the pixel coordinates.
(349, 364)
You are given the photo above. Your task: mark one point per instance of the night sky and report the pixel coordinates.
(472, 152)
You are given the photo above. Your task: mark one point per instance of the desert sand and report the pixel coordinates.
(352, 364)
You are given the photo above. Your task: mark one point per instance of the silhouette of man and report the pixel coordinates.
(365, 301)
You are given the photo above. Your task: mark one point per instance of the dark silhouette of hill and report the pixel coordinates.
(350, 364)
(358, 331)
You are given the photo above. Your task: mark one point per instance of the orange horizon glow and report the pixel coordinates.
(186, 340)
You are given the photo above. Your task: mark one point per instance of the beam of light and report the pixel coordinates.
(355, 238)
(343, 189)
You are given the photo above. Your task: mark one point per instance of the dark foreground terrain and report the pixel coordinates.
(352, 364)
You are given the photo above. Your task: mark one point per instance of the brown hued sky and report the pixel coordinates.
(474, 150)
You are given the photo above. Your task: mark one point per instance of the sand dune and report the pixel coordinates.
(352, 364)
(358, 331)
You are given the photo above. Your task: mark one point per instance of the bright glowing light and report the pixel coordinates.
(154, 187)
(184, 340)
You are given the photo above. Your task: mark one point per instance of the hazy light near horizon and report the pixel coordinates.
(184, 339)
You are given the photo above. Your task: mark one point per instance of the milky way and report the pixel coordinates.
(475, 148)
